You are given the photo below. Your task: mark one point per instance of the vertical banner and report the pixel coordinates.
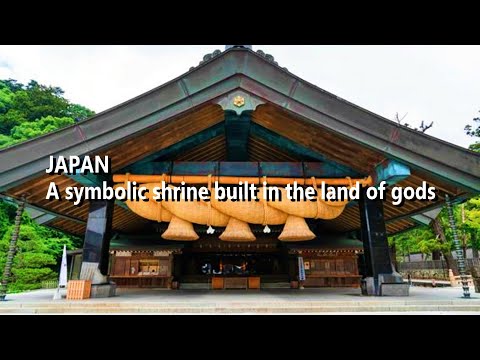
(301, 269)
(62, 280)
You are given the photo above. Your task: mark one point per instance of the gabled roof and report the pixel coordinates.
(229, 71)
(189, 112)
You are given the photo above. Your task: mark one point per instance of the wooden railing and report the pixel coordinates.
(50, 284)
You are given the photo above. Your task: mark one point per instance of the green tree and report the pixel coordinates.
(6, 96)
(7, 214)
(35, 102)
(418, 240)
(27, 111)
(13, 85)
(39, 250)
(474, 131)
(470, 224)
(6, 141)
(79, 112)
(45, 125)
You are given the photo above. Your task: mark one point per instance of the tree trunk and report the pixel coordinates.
(474, 246)
(451, 263)
(436, 255)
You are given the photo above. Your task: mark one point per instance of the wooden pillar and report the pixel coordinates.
(378, 263)
(177, 266)
(97, 242)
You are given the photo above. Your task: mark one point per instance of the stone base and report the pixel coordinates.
(90, 271)
(368, 286)
(387, 285)
(394, 290)
(103, 290)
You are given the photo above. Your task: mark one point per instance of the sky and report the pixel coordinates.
(429, 83)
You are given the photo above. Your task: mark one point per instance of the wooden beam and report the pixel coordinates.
(39, 216)
(235, 180)
(247, 168)
(421, 219)
(44, 210)
(88, 179)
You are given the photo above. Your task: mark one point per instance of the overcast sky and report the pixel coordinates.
(430, 83)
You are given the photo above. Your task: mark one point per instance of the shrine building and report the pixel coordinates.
(239, 116)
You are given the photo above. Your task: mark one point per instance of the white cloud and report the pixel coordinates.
(431, 83)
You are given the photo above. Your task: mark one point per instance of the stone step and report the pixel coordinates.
(212, 307)
(195, 286)
(207, 286)
(205, 279)
(275, 285)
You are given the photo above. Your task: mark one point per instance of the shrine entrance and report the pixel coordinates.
(231, 264)
(272, 269)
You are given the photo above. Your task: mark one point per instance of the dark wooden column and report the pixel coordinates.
(237, 130)
(97, 241)
(378, 263)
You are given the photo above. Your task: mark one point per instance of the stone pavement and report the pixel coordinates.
(338, 300)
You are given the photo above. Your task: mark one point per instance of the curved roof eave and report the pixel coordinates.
(242, 69)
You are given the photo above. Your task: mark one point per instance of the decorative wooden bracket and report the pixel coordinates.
(239, 101)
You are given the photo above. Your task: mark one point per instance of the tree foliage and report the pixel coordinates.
(28, 111)
(467, 218)
(45, 125)
(31, 110)
(418, 240)
(424, 240)
(474, 131)
(39, 250)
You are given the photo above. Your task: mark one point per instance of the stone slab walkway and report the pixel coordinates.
(136, 301)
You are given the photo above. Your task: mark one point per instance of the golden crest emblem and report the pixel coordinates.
(239, 101)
